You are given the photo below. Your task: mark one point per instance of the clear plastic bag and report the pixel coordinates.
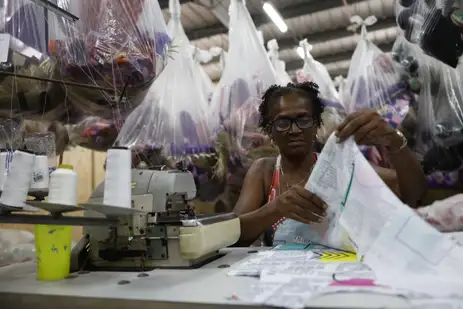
(316, 72)
(202, 56)
(375, 83)
(340, 83)
(445, 141)
(173, 115)
(431, 126)
(248, 72)
(94, 57)
(233, 118)
(279, 66)
(16, 246)
(10, 134)
(93, 133)
(435, 26)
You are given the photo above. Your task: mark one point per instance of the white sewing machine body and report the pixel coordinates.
(160, 231)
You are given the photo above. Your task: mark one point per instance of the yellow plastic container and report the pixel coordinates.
(53, 249)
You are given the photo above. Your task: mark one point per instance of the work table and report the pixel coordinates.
(206, 287)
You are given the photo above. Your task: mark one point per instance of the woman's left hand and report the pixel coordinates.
(368, 128)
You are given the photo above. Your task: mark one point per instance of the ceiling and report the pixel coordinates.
(323, 23)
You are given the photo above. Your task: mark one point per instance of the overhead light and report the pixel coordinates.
(300, 52)
(275, 16)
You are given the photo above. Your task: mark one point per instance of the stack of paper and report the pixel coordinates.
(269, 260)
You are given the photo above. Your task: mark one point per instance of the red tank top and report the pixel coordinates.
(276, 183)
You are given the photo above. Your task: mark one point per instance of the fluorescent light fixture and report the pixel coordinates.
(275, 16)
(300, 52)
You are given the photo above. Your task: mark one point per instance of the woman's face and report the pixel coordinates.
(293, 128)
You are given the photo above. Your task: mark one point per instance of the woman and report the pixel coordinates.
(273, 187)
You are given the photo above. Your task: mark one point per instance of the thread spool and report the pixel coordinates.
(63, 186)
(6, 156)
(117, 190)
(19, 179)
(40, 174)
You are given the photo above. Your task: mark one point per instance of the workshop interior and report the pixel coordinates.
(134, 134)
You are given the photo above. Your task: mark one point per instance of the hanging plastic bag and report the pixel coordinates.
(202, 56)
(340, 82)
(101, 54)
(424, 76)
(247, 74)
(414, 68)
(316, 72)
(199, 56)
(172, 117)
(279, 66)
(94, 133)
(374, 82)
(444, 159)
(435, 26)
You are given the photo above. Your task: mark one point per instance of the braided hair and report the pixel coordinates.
(307, 90)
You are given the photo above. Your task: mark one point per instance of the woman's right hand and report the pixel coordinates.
(301, 205)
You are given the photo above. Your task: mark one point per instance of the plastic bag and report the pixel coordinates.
(279, 66)
(435, 26)
(93, 133)
(316, 72)
(101, 55)
(248, 71)
(233, 117)
(173, 115)
(425, 76)
(16, 247)
(201, 56)
(340, 83)
(445, 152)
(374, 82)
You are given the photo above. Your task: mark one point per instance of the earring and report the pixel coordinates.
(272, 142)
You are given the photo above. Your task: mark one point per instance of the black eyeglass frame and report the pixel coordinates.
(293, 120)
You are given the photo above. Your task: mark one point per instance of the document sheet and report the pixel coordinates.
(360, 204)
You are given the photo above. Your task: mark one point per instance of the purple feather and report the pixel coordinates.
(163, 41)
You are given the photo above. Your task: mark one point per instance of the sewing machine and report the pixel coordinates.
(160, 231)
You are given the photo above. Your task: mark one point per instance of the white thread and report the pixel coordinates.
(63, 186)
(40, 174)
(6, 157)
(18, 180)
(117, 190)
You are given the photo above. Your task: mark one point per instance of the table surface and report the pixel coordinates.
(209, 286)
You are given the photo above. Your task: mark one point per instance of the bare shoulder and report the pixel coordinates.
(256, 184)
(262, 166)
(262, 170)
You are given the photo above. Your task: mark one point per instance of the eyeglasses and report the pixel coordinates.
(285, 123)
